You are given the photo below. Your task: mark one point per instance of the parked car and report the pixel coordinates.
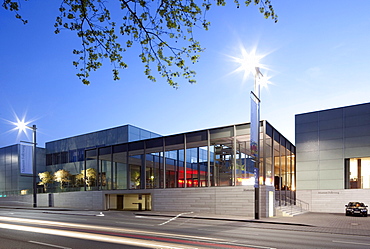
(356, 208)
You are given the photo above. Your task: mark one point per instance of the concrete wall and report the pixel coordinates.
(88, 200)
(324, 139)
(218, 200)
(236, 201)
(17, 201)
(85, 200)
(332, 201)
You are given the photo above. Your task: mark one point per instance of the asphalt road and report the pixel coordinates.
(22, 228)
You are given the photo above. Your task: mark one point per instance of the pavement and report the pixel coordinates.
(335, 223)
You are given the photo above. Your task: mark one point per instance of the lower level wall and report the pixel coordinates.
(236, 200)
(332, 201)
(218, 200)
(87, 200)
(17, 201)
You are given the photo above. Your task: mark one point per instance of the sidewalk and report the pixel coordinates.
(310, 222)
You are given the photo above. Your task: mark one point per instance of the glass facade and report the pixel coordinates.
(69, 154)
(206, 158)
(14, 179)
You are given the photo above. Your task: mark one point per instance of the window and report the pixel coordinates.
(358, 173)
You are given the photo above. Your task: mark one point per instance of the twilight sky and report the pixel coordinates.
(318, 56)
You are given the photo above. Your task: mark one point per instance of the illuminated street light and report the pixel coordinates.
(23, 126)
(250, 64)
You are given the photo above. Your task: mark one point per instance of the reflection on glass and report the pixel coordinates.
(359, 169)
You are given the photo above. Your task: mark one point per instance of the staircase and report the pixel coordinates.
(289, 211)
(287, 207)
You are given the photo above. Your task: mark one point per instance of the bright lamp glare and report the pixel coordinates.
(21, 125)
(248, 62)
(264, 81)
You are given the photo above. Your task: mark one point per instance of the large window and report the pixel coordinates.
(358, 173)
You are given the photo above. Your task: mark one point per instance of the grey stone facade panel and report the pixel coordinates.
(306, 127)
(310, 146)
(217, 200)
(306, 118)
(306, 137)
(357, 110)
(330, 134)
(331, 144)
(331, 114)
(331, 124)
(331, 154)
(356, 131)
(307, 156)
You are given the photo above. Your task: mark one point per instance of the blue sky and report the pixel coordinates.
(318, 57)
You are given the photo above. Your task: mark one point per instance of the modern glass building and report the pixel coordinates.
(218, 157)
(210, 170)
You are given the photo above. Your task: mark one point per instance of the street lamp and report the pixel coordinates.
(250, 64)
(22, 126)
(255, 137)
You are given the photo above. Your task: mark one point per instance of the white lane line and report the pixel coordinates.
(174, 218)
(131, 223)
(246, 245)
(46, 244)
(151, 218)
(351, 242)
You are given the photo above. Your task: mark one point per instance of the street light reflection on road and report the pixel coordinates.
(95, 237)
(102, 228)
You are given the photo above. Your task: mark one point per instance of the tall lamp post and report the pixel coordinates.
(255, 137)
(21, 125)
(249, 63)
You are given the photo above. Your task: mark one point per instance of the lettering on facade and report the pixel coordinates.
(328, 193)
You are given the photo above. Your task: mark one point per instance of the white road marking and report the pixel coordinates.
(152, 218)
(46, 244)
(351, 242)
(174, 218)
(121, 222)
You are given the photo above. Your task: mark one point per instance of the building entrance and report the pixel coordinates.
(129, 202)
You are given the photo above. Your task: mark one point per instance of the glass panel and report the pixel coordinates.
(222, 152)
(277, 159)
(153, 173)
(203, 166)
(104, 173)
(268, 161)
(154, 163)
(120, 169)
(192, 172)
(283, 167)
(172, 165)
(175, 161)
(90, 175)
(135, 158)
(196, 162)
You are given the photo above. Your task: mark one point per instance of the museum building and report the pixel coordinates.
(333, 157)
(210, 170)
